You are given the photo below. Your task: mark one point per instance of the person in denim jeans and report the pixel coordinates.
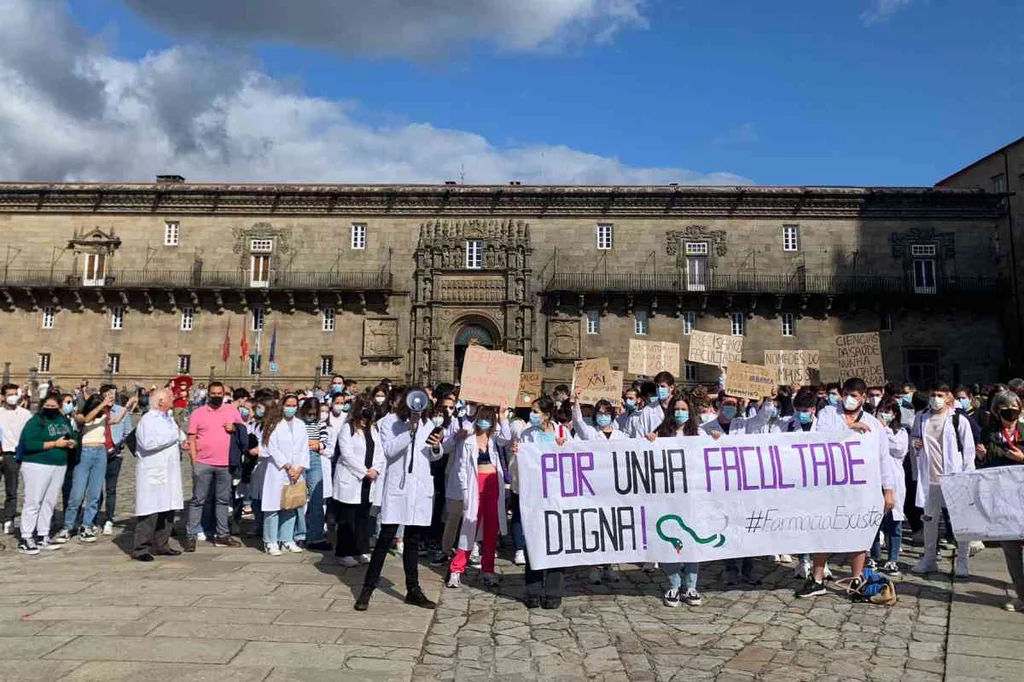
(310, 526)
(119, 430)
(90, 472)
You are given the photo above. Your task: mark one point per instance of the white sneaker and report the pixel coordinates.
(400, 547)
(293, 548)
(363, 558)
(273, 549)
(348, 561)
(594, 577)
(828, 573)
(1014, 606)
(8, 526)
(108, 528)
(474, 556)
(455, 581)
(200, 536)
(802, 570)
(783, 559)
(975, 547)
(48, 545)
(520, 558)
(924, 567)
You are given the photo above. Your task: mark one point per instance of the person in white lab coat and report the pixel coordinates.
(410, 444)
(357, 482)
(287, 450)
(158, 490)
(942, 443)
(888, 412)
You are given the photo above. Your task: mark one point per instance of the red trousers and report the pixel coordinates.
(487, 518)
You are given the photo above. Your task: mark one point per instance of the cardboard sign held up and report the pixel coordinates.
(715, 349)
(650, 357)
(860, 355)
(795, 366)
(531, 385)
(596, 381)
(749, 381)
(490, 377)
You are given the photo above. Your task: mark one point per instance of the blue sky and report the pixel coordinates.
(881, 92)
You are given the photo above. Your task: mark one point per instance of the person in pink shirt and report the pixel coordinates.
(210, 429)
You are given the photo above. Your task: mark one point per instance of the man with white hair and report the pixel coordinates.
(157, 478)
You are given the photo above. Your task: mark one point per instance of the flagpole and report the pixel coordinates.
(259, 353)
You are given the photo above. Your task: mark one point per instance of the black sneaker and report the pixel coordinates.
(532, 602)
(363, 602)
(550, 603)
(28, 546)
(415, 597)
(438, 558)
(86, 535)
(671, 598)
(189, 543)
(811, 588)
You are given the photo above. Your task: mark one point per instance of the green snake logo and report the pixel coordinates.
(717, 538)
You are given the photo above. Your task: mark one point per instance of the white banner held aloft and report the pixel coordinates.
(698, 499)
(987, 504)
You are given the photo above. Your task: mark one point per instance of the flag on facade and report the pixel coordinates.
(225, 349)
(273, 345)
(245, 343)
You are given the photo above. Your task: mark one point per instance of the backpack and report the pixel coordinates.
(874, 588)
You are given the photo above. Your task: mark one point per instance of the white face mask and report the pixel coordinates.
(850, 403)
(708, 417)
(873, 400)
(336, 410)
(936, 403)
(379, 399)
(437, 421)
(11, 400)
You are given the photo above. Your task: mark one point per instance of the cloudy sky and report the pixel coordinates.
(540, 91)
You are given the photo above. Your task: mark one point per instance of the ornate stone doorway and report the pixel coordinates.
(471, 334)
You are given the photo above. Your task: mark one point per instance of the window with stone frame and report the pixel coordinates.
(689, 372)
(326, 365)
(738, 324)
(43, 362)
(327, 320)
(184, 364)
(114, 363)
(474, 254)
(117, 318)
(605, 232)
(172, 233)
(641, 322)
(788, 324)
(689, 322)
(593, 322)
(48, 317)
(187, 319)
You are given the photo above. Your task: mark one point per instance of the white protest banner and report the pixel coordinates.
(987, 504)
(714, 349)
(490, 377)
(698, 499)
(749, 381)
(860, 355)
(795, 366)
(647, 358)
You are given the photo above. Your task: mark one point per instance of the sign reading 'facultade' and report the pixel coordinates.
(714, 349)
(698, 499)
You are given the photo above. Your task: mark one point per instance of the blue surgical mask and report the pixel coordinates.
(664, 392)
(630, 404)
(908, 399)
(964, 403)
(483, 424)
(347, 407)
(290, 412)
(729, 411)
(260, 411)
(681, 416)
(833, 399)
(244, 411)
(603, 420)
(804, 417)
(68, 408)
(535, 419)
(336, 389)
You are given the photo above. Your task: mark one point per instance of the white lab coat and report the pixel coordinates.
(465, 463)
(408, 497)
(585, 431)
(647, 421)
(740, 425)
(288, 444)
(952, 460)
(351, 469)
(898, 450)
(832, 419)
(158, 466)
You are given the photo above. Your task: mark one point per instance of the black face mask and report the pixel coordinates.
(51, 412)
(1009, 414)
(215, 401)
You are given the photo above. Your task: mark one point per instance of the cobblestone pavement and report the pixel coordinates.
(87, 612)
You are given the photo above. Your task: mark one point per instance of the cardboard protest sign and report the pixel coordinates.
(749, 381)
(794, 366)
(595, 380)
(860, 355)
(715, 349)
(531, 386)
(699, 499)
(650, 357)
(985, 504)
(490, 377)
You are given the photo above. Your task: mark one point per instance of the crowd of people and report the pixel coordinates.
(359, 474)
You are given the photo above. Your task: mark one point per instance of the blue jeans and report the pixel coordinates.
(678, 572)
(86, 483)
(279, 526)
(315, 508)
(893, 531)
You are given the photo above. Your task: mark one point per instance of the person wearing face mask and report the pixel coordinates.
(653, 414)
(380, 402)
(158, 491)
(260, 409)
(209, 443)
(482, 484)
(310, 532)
(874, 399)
(560, 395)
(728, 423)
(907, 409)
(850, 416)
(544, 588)
(47, 440)
(629, 412)
(357, 483)
(888, 413)
(12, 421)
(287, 444)
(804, 409)
(943, 444)
(775, 421)
(833, 395)
(337, 386)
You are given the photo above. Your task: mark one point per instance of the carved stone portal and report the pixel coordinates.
(564, 339)
(675, 241)
(380, 338)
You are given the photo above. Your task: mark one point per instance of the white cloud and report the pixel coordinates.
(71, 111)
(880, 10)
(396, 27)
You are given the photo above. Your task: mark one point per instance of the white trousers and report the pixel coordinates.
(42, 485)
(931, 516)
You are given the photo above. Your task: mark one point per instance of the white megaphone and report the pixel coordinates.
(417, 401)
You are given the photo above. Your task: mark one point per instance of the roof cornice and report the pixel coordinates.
(533, 201)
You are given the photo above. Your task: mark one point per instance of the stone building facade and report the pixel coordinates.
(140, 281)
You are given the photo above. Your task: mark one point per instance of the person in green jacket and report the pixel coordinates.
(46, 442)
